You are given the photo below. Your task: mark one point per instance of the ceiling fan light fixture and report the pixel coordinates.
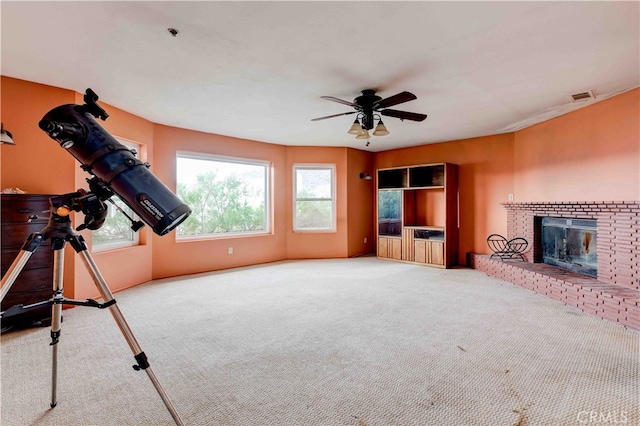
(356, 128)
(381, 129)
(364, 134)
(367, 106)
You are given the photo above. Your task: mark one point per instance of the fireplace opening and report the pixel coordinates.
(570, 244)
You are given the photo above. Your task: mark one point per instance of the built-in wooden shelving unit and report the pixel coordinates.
(418, 214)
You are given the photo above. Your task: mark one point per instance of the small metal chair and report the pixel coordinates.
(507, 249)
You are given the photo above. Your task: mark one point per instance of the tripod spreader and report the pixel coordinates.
(21, 309)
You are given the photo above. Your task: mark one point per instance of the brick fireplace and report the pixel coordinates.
(614, 294)
(618, 233)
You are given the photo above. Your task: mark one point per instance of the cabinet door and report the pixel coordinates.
(437, 253)
(396, 248)
(383, 247)
(390, 213)
(421, 251)
(429, 252)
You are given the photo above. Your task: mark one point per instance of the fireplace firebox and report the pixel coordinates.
(570, 244)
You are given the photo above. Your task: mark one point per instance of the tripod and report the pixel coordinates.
(59, 231)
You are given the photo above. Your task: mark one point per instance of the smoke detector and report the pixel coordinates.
(583, 97)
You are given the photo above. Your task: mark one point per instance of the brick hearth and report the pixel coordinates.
(615, 294)
(608, 301)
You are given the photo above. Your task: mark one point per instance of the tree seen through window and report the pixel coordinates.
(225, 196)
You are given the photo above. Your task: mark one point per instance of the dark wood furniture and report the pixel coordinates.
(22, 215)
(418, 214)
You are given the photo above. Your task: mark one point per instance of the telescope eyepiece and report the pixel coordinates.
(65, 133)
(47, 126)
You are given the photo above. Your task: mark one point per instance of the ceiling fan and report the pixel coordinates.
(367, 104)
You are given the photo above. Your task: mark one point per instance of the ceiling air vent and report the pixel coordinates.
(581, 97)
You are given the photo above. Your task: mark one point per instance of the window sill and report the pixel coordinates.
(102, 248)
(213, 237)
(314, 231)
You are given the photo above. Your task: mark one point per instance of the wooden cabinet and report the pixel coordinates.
(390, 247)
(35, 281)
(422, 244)
(418, 205)
(429, 252)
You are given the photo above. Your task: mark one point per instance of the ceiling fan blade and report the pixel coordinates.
(334, 115)
(340, 101)
(403, 115)
(395, 100)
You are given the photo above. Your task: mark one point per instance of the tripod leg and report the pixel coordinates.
(56, 319)
(12, 273)
(139, 355)
(29, 246)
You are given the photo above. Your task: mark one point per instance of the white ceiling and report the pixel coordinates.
(256, 70)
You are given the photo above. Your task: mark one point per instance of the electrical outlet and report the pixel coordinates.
(365, 240)
(510, 197)
(230, 250)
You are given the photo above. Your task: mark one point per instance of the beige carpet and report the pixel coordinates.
(330, 342)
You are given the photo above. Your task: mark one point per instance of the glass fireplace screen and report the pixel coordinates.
(570, 244)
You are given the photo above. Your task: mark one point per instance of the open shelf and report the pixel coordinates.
(429, 176)
(426, 176)
(391, 179)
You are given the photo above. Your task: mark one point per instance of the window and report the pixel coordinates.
(116, 231)
(228, 196)
(314, 193)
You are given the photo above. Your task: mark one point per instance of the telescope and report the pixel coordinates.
(114, 168)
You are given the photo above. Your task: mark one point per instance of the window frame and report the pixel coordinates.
(268, 189)
(115, 245)
(333, 198)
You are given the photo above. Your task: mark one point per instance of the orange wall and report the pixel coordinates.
(304, 245)
(431, 208)
(485, 181)
(36, 163)
(171, 257)
(591, 154)
(360, 220)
